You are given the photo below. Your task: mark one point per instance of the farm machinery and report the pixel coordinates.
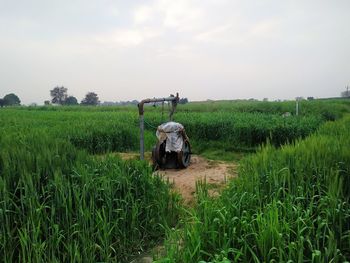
(173, 148)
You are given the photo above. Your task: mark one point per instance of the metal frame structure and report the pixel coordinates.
(174, 101)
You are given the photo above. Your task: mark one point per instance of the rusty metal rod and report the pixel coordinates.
(174, 101)
(142, 146)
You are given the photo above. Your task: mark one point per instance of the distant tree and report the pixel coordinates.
(183, 101)
(71, 100)
(11, 99)
(2, 103)
(46, 102)
(59, 95)
(310, 98)
(265, 99)
(91, 98)
(346, 93)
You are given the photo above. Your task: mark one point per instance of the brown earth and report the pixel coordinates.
(215, 173)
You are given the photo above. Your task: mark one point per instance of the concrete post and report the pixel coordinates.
(142, 143)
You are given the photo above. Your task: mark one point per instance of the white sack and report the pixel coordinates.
(170, 131)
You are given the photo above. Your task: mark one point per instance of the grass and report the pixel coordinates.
(288, 205)
(59, 204)
(218, 135)
(66, 197)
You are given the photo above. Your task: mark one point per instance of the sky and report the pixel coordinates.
(203, 49)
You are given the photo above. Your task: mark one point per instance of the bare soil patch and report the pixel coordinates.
(215, 173)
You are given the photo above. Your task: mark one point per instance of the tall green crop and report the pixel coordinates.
(59, 204)
(288, 205)
(100, 132)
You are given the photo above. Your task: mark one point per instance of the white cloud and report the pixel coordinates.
(126, 37)
(236, 33)
(176, 51)
(217, 34)
(182, 15)
(143, 14)
(207, 48)
(264, 28)
(114, 11)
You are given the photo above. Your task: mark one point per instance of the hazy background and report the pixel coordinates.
(204, 49)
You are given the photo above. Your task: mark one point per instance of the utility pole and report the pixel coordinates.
(297, 105)
(297, 108)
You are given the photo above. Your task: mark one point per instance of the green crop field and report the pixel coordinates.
(65, 196)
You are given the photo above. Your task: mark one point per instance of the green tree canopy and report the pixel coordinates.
(71, 100)
(346, 93)
(91, 98)
(183, 101)
(59, 95)
(11, 100)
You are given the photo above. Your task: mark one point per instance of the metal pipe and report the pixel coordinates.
(142, 144)
(297, 107)
(142, 102)
(174, 100)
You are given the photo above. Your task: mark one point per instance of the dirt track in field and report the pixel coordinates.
(215, 173)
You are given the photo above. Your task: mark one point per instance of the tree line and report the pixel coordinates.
(10, 100)
(59, 95)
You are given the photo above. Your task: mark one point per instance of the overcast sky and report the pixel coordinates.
(204, 49)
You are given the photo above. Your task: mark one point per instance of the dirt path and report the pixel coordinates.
(215, 173)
